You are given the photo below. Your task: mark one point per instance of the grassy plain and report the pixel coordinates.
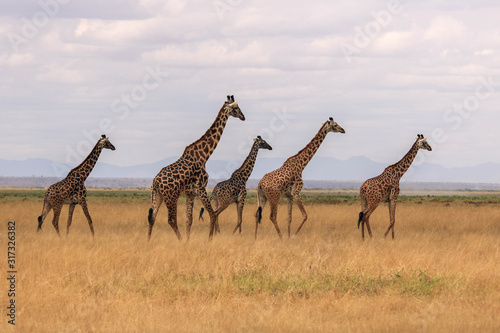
(441, 273)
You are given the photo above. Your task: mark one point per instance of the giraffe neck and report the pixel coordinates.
(203, 148)
(306, 154)
(398, 169)
(245, 170)
(83, 170)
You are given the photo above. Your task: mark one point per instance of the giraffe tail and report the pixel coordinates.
(259, 214)
(150, 215)
(360, 218)
(201, 214)
(40, 221)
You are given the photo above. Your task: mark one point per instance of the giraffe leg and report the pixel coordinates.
(222, 203)
(262, 199)
(240, 203)
(274, 216)
(392, 214)
(220, 206)
(202, 194)
(217, 228)
(189, 214)
(290, 204)
(70, 216)
(366, 219)
(215, 207)
(55, 219)
(156, 201)
(83, 203)
(239, 208)
(45, 211)
(172, 218)
(363, 229)
(364, 205)
(302, 210)
(368, 227)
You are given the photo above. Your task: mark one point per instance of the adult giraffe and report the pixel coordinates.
(188, 175)
(385, 187)
(287, 180)
(71, 190)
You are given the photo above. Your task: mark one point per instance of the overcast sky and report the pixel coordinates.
(153, 74)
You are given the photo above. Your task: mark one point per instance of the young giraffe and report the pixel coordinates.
(71, 190)
(188, 175)
(385, 187)
(235, 188)
(287, 180)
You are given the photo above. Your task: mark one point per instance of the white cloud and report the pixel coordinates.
(393, 42)
(21, 60)
(485, 52)
(270, 55)
(445, 30)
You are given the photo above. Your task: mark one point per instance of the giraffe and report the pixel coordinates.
(188, 175)
(234, 189)
(287, 180)
(385, 187)
(71, 190)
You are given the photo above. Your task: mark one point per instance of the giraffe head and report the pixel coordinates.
(105, 143)
(262, 144)
(231, 108)
(422, 143)
(332, 126)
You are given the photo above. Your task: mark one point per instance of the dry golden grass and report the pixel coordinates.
(441, 273)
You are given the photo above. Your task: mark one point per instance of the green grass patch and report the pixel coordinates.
(250, 282)
(309, 198)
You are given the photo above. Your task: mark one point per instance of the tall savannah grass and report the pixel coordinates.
(441, 273)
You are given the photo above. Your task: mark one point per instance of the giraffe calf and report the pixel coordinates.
(234, 189)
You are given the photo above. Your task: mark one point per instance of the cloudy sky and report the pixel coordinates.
(152, 75)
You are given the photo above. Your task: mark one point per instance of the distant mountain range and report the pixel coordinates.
(320, 168)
